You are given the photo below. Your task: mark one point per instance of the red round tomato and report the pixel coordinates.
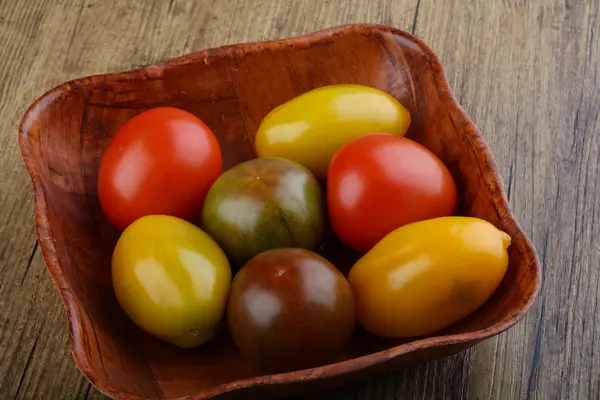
(162, 161)
(379, 182)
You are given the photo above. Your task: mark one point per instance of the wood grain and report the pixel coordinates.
(526, 71)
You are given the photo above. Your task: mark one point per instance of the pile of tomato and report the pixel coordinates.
(201, 248)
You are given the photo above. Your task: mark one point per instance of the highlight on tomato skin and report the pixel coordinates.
(380, 182)
(162, 161)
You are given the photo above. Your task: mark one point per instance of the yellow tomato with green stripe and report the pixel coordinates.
(171, 279)
(310, 128)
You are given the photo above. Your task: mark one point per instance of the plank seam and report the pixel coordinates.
(27, 363)
(415, 16)
(75, 29)
(30, 261)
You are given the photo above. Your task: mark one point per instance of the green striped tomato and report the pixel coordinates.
(263, 204)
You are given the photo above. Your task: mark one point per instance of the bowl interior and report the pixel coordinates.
(65, 133)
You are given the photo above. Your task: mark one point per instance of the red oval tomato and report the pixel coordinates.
(162, 161)
(379, 182)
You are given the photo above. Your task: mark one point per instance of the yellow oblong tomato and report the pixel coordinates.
(425, 276)
(171, 279)
(310, 128)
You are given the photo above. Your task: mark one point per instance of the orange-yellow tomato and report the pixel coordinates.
(425, 276)
(172, 279)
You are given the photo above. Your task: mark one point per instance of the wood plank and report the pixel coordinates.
(31, 313)
(527, 72)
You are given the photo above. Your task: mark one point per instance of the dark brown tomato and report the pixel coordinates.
(263, 204)
(290, 309)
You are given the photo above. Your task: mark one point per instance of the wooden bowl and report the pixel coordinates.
(63, 136)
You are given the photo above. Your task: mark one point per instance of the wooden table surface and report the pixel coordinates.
(527, 71)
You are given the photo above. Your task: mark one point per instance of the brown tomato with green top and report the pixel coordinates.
(262, 204)
(290, 309)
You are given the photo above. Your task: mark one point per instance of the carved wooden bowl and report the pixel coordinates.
(64, 133)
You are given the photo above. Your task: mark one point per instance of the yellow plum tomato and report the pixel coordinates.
(427, 275)
(171, 279)
(310, 128)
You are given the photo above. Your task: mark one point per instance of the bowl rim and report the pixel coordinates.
(485, 161)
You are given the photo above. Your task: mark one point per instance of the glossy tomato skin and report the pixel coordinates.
(380, 182)
(424, 276)
(290, 309)
(262, 204)
(172, 279)
(310, 128)
(161, 161)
